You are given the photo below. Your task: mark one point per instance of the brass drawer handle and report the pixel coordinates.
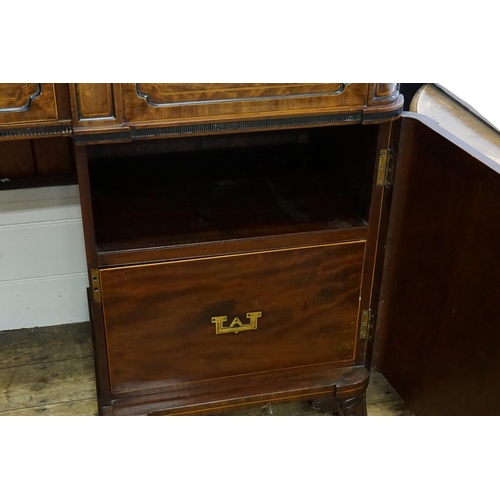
(236, 326)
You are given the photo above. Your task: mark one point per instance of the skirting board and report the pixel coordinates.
(43, 277)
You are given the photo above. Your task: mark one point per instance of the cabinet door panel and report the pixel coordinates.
(438, 329)
(211, 318)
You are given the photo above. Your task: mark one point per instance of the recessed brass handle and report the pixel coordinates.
(236, 325)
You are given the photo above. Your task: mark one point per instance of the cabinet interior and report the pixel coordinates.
(187, 190)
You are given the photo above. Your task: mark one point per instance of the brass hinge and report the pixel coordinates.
(366, 319)
(385, 168)
(95, 284)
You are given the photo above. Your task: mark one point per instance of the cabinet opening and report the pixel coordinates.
(192, 190)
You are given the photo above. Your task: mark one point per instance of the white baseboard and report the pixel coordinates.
(43, 276)
(34, 250)
(47, 301)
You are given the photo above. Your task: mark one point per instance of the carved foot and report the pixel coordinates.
(355, 406)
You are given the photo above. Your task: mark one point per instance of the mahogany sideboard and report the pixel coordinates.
(255, 243)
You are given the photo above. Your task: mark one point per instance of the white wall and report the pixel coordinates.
(43, 276)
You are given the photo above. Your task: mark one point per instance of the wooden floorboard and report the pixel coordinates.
(395, 408)
(40, 345)
(50, 371)
(380, 391)
(46, 383)
(83, 408)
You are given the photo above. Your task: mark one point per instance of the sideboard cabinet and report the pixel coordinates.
(256, 243)
(233, 257)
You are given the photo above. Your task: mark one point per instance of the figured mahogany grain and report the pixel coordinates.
(164, 102)
(28, 102)
(164, 94)
(438, 334)
(96, 106)
(15, 96)
(158, 317)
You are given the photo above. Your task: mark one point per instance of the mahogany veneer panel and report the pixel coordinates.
(158, 317)
(165, 94)
(95, 101)
(27, 102)
(438, 334)
(96, 106)
(149, 102)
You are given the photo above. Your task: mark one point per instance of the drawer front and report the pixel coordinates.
(146, 102)
(208, 318)
(27, 103)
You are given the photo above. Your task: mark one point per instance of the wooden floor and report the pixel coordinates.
(50, 371)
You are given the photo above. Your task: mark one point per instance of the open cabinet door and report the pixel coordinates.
(438, 327)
